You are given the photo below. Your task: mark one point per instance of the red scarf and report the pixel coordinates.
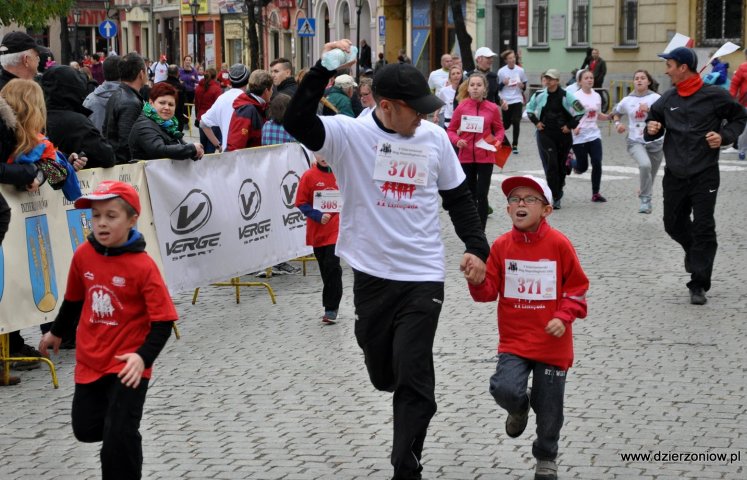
(685, 88)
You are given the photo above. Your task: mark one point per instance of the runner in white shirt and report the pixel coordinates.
(219, 115)
(392, 167)
(587, 139)
(447, 94)
(648, 155)
(512, 80)
(439, 78)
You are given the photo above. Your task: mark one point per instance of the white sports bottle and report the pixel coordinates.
(335, 58)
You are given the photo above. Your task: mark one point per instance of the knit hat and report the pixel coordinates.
(238, 74)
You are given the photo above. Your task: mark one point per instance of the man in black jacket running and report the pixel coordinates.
(697, 119)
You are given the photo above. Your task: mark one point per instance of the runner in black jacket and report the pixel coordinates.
(692, 115)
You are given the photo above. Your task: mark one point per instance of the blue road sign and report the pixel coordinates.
(382, 27)
(306, 27)
(108, 29)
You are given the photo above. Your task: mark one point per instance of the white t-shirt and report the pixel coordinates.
(511, 93)
(447, 94)
(630, 106)
(589, 130)
(219, 115)
(366, 111)
(438, 79)
(160, 72)
(390, 230)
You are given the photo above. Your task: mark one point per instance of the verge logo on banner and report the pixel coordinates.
(192, 213)
(288, 189)
(250, 204)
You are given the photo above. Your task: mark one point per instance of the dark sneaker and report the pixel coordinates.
(546, 470)
(26, 351)
(329, 318)
(285, 268)
(556, 205)
(490, 210)
(12, 380)
(516, 423)
(698, 296)
(597, 197)
(516, 150)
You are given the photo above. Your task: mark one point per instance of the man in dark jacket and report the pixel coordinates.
(484, 57)
(365, 56)
(697, 119)
(20, 57)
(180, 114)
(598, 67)
(125, 105)
(68, 126)
(283, 81)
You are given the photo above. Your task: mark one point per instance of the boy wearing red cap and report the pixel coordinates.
(126, 316)
(535, 274)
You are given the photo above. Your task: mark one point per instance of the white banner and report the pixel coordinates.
(227, 215)
(45, 229)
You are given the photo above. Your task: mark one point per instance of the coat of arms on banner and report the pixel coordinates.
(41, 263)
(79, 226)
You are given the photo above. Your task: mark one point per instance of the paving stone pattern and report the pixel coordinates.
(262, 391)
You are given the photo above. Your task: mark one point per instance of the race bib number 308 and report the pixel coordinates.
(530, 280)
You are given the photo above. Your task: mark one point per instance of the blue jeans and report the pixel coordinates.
(209, 147)
(508, 385)
(583, 152)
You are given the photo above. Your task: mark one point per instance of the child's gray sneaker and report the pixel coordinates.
(516, 423)
(546, 470)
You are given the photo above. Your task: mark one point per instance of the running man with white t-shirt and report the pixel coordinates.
(438, 79)
(513, 80)
(648, 155)
(587, 139)
(391, 168)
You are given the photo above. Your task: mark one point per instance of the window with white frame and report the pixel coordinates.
(721, 21)
(539, 22)
(629, 22)
(579, 23)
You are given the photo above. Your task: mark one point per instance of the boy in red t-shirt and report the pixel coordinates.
(535, 274)
(318, 198)
(126, 316)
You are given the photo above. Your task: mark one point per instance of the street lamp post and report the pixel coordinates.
(358, 6)
(76, 20)
(106, 17)
(194, 8)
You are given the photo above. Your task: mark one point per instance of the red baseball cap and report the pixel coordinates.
(111, 189)
(512, 183)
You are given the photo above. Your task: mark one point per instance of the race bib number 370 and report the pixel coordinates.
(401, 163)
(530, 280)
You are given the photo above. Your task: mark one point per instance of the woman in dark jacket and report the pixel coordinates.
(68, 125)
(156, 134)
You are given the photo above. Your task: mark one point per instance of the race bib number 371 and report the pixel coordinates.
(530, 280)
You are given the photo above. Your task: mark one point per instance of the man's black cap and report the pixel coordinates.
(402, 81)
(15, 42)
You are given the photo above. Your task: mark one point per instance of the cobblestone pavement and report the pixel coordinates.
(261, 391)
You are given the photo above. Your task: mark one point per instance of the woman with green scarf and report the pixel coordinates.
(156, 133)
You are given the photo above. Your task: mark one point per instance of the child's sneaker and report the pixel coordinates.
(330, 317)
(515, 150)
(597, 197)
(516, 423)
(546, 470)
(742, 155)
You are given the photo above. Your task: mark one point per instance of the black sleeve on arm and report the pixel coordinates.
(154, 342)
(66, 317)
(300, 117)
(458, 202)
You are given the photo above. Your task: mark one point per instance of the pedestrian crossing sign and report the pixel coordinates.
(306, 27)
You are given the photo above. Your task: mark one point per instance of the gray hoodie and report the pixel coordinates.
(96, 102)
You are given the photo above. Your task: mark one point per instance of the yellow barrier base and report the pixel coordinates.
(6, 359)
(303, 260)
(237, 283)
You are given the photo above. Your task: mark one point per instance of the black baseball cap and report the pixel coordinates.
(402, 81)
(15, 42)
(683, 56)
